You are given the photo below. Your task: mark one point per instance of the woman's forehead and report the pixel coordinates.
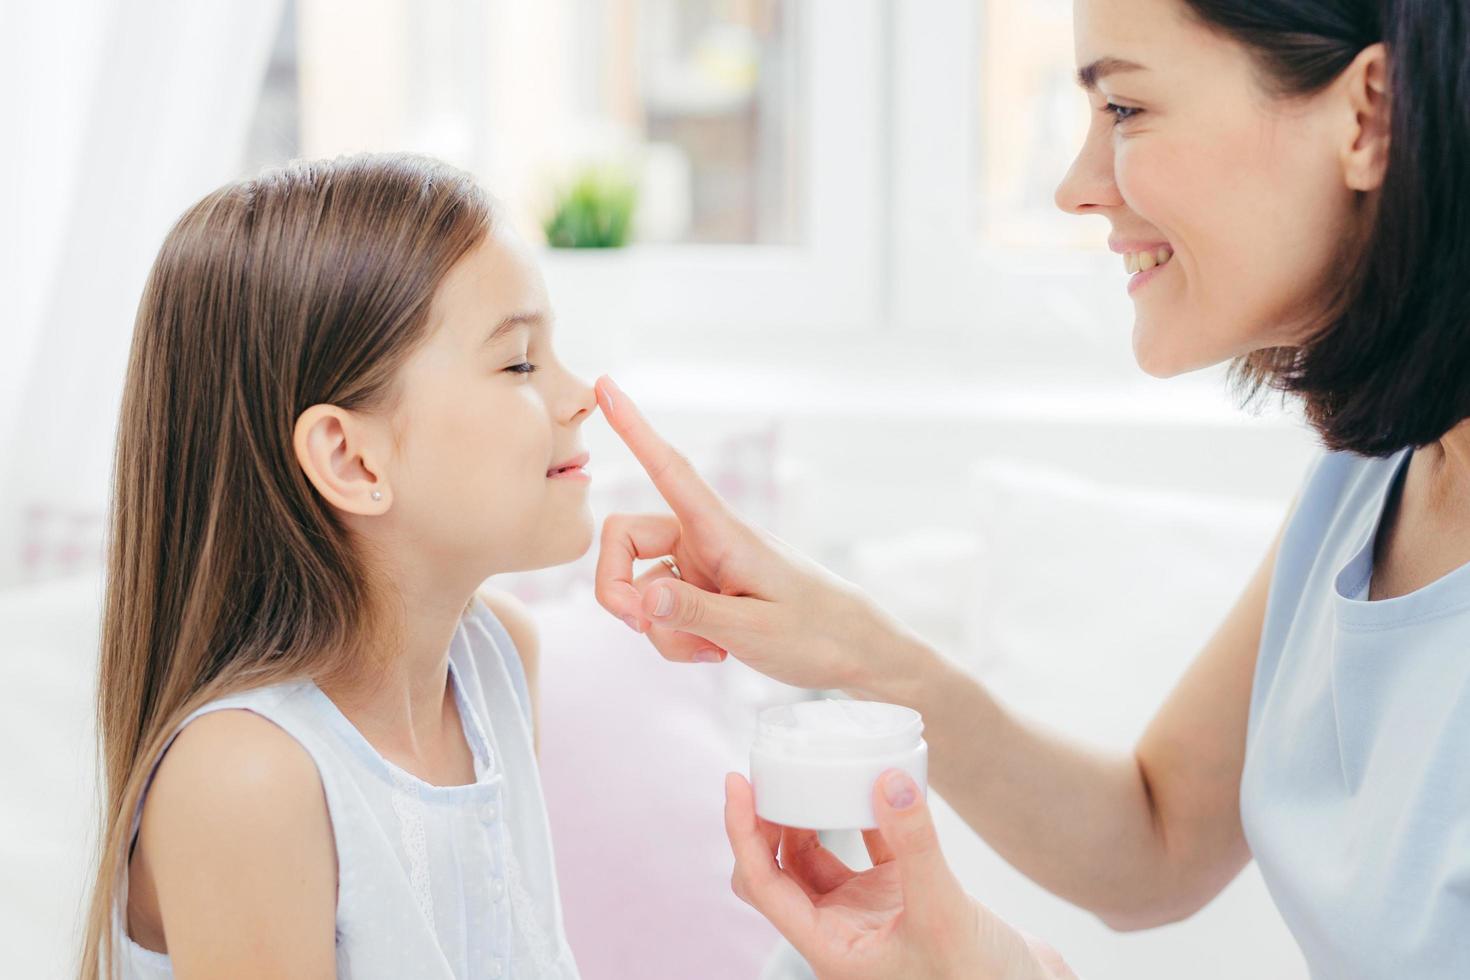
(1137, 31)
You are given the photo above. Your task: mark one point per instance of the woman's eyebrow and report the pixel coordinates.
(529, 319)
(1089, 75)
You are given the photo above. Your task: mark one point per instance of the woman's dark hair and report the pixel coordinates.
(1389, 364)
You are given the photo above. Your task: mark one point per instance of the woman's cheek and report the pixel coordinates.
(1142, 177)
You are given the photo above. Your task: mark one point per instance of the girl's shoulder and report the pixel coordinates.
(230, 754)
(508, 621)
(513, 616)
(236, 798)
(235, 755)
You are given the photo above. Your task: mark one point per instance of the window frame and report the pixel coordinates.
(1024, 304)
(830, 281)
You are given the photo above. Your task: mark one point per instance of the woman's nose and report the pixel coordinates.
(1089, 183)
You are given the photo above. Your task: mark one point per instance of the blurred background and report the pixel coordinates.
(816, 240)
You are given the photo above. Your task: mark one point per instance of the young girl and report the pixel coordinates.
(342, 415)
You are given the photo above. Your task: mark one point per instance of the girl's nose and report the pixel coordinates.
(1089, 185)
(581, 399)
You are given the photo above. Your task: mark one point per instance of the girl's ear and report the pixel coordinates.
(1365, 151)
(338, 454)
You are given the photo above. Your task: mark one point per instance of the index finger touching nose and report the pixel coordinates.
(676, 480)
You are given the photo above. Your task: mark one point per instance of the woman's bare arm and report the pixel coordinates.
(1139, 839)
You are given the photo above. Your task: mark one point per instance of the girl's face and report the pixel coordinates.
(487, 413)
(1186, 153)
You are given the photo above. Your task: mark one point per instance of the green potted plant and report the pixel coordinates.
(594, 211)
(592, 275)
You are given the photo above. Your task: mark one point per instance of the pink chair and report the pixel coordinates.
(633, 755)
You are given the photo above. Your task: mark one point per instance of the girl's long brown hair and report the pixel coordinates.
(226, 570)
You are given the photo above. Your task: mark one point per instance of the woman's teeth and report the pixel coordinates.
(1144, 261)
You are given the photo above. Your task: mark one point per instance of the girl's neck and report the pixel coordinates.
(402, 704)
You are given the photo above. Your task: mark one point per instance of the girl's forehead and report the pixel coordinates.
(494, 281)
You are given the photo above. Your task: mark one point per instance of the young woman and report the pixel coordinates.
(1286, 181)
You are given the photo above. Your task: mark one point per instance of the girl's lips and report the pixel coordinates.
(566, 466)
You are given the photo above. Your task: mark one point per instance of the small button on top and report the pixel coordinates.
(497, 888)
(487, 812)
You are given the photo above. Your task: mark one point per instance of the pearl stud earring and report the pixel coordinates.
(377, 495)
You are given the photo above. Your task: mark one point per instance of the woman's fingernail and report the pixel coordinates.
(607, 393)
(665, 602)
(632, 624)
(899, 790)
(708, 655)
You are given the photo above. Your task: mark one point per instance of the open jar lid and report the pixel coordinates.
(835, 728)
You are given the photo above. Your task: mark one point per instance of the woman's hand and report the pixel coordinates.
(743, 591)
(907, 916)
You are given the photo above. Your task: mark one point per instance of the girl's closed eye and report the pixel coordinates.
(525, 367)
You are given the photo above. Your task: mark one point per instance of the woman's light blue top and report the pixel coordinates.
(1355, 796)
(441, 882)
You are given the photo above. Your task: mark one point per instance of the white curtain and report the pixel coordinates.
(118, 115)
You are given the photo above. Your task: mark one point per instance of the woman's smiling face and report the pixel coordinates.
(1188, 153)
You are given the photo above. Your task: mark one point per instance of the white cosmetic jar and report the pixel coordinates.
(814, 764)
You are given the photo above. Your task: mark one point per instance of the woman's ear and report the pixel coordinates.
(1365, 151)
(338, 453)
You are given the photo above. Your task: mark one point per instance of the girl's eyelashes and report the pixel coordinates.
(1120, 113)
(525, 367)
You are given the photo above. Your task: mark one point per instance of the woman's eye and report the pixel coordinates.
(1121, 113)
(525, 367)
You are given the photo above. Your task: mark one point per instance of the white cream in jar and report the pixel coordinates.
(814, 764)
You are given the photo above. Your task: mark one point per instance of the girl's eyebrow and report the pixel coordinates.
(526, 319)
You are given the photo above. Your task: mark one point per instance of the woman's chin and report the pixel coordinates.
(1162, 356)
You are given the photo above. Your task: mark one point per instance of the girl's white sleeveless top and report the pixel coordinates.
(433, 881)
